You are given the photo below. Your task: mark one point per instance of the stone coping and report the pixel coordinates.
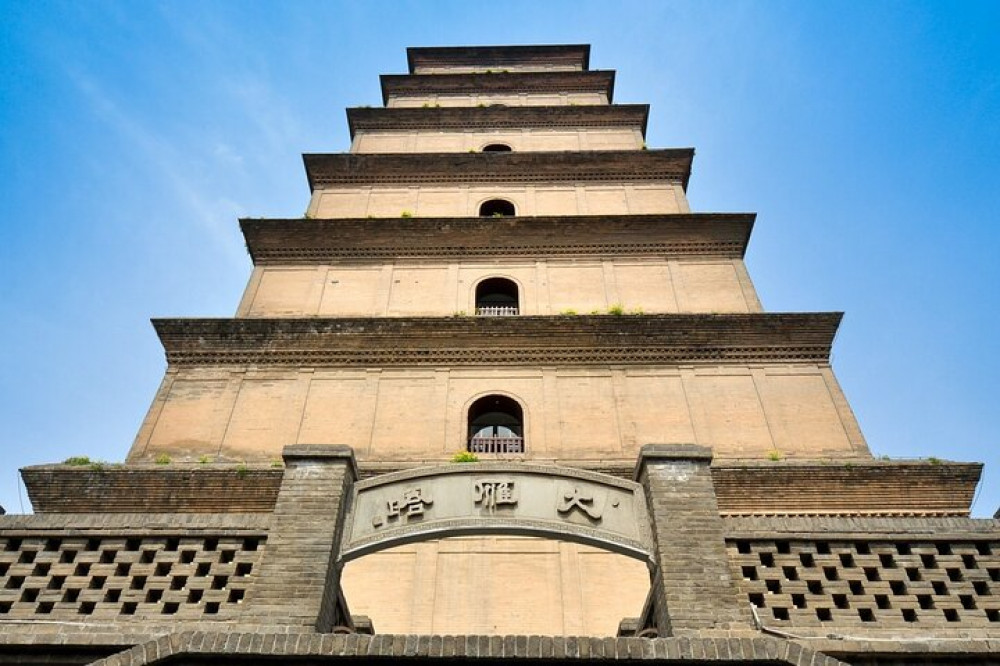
(128, 524)
(438, 56)
(360, 240)
(496, 117)
(432, 648)
(570, 340)
(594, 80)
(828, 528)
(154, 644)
(344, 169)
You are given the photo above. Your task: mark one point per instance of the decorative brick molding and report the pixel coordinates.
(335, 169)
(570, 340)
(408, 85)
(577, 55)
(309, 241)
(315, 649)
(366, 119)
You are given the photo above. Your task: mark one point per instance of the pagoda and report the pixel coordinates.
(500, 393)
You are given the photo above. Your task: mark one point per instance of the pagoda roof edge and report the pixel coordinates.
(498, 54)
(496, 116)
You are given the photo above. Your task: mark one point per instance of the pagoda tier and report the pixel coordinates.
(495, 341)
(309, 241)
(575, 56)
(361, 119)
(601, 82)
(330, 169)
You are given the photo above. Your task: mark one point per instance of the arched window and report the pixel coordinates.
(496, 425)
(496, 208)
(496, 148)
(496, 297)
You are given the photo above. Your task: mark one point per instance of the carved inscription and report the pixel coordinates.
(573, 498)
(491, 493)
(410, 505)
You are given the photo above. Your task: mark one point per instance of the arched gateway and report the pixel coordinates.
(498, 498)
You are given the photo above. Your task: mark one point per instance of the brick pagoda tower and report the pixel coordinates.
(500, 271)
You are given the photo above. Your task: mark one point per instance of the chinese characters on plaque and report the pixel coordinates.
(573, 498)
(490, 494)
(410, 505)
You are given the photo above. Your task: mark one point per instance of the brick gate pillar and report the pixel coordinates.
(298, 583)
(692, 588)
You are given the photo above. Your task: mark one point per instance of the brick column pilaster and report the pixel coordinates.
(692, 589)
(298, 583)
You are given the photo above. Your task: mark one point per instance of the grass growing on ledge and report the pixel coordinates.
(162, 459)
(77, 460)
(465, 457)
(774, 456)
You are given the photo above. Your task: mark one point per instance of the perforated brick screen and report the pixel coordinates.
(112, 578)
(870, 584)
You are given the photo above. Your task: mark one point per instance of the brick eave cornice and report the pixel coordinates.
(528, 340)
(335, 169)
(315, 241)
(496, 117)
(498, 56)
(401, 85)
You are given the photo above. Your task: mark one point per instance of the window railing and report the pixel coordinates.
(497, 311)
(496, 444)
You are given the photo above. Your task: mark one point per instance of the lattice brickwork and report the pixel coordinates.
(111, 578)
(870, 584)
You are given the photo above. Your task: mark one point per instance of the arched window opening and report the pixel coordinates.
(496, 297)
(496, 425)
(496, 208)
(497, 148)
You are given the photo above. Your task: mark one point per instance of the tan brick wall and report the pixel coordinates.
(464, 200)
(521, 140)
(545, 287)
(570, 413)
(464, 586)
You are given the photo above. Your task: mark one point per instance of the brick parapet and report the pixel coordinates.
(140, 488)
(859, 488)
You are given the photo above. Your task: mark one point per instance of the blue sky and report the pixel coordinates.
(133, 135)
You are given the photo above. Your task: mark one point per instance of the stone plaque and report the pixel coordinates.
(497, 498)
